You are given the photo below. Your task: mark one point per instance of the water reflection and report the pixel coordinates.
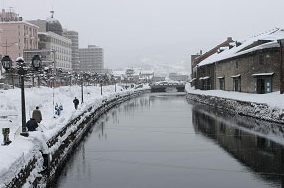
(259, 153)
(162, 141)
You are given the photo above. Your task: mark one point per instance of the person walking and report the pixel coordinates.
(76, 103)
(58, 109)
(32, 124)
(37, 115)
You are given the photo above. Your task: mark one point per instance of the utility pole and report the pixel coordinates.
(281, 42)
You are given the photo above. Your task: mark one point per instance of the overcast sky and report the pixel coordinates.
(161, 30)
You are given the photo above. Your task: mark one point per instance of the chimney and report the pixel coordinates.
(200, 52)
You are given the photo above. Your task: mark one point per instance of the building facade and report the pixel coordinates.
(91, 59)
(252, 67)
(16, 35)
(53, 46)
(73, 36)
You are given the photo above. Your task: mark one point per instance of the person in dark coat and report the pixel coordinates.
(58, 109)
(76, 103)
(32, 124)
(37, 115)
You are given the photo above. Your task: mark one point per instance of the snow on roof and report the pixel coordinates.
(272, 36)
(20, 22)
(263, 74)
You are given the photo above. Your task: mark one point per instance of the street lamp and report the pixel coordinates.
(22, 73)
(82, 83)
(36, 64)
(6, 62)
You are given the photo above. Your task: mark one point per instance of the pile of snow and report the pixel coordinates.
(274, 99)
(20, 151)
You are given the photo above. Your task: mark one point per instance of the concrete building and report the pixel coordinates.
(73, 36)
(53, 46)
(253, 66)
(16, 35)
(91, 59)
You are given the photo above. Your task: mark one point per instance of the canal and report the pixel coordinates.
(160, 141)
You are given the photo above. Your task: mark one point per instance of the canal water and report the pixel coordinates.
(163, 141)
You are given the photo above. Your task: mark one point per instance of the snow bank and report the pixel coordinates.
(268, 107)
(22, 150)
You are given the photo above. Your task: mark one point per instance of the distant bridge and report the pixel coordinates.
(167, 87)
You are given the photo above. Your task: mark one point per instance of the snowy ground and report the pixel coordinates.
(21, 148)
(274, 99)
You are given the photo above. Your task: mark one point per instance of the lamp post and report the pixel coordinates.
(22, 73)
(36, 64)
(82, 88)
(7, 63)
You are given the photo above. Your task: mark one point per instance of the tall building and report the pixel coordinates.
(91, 59)
(16, 35)
(51, 40)
(73, 36)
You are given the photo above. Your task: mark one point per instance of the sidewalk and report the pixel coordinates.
(20, 151)
(274, 100)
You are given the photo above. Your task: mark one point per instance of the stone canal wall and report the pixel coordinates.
(252, 109)
(41, 167)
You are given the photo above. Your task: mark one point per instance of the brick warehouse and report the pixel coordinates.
(252, 67)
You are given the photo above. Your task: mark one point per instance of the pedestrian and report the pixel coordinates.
(32, 124)
(37, 115)
(57, 110)
(60, 107)
(76, 103)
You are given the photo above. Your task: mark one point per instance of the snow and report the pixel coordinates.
(264, 74)
(236, 76)
(22, 149)
(20, 59)
(204, 78)
(271, 37)
(21, 22)
(274, 99)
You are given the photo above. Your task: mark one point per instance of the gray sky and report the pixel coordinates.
(162, 30)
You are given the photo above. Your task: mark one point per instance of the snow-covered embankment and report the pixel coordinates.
(29, 161)
(268, 107)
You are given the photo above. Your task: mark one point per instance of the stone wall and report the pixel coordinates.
(251, 109)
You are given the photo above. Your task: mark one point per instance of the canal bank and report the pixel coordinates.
(268, 107)
(46, 158)
(161, 140)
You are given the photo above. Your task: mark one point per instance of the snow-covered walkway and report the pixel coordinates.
(273, 100)
(21, 149)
